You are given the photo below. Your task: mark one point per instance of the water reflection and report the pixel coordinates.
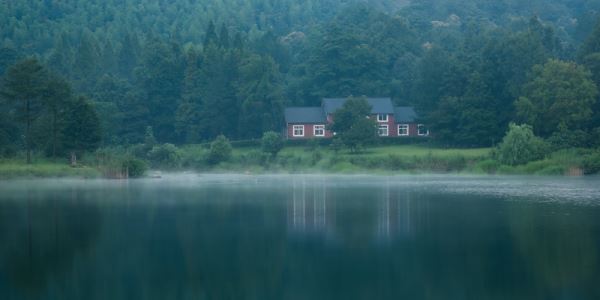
(293, 238)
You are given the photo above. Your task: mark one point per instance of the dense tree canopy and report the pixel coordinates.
(559, 93)
(193, 70)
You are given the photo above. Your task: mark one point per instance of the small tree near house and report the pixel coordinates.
(271, 143)
(352, 124)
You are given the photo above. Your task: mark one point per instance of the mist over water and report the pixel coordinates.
(192, 236)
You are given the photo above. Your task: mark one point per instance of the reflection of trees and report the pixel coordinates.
(314, 241)
(42, 233)
(559, 247)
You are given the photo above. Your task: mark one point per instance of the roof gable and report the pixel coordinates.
(404, 114)
(378, 105)
(305, 115)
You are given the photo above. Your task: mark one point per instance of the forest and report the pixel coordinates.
(105, 73)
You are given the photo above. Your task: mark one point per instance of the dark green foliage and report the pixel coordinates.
(149, 140)
(564, 138)
(165, 156)
(22, 88)
(82, 130)
(559, 93)
(261, 96)
(134, 167)
(271, 143)
(336, 145)
(220, 150)
(352, 125)
(520, 146)
(196, 69)
(591, 163)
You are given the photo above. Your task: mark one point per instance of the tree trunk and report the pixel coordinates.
(73, 159)
(54, 135)
(27, 138)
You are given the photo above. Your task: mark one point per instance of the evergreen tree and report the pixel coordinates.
(22, 87)
(260, 95)
(128, 54)
(86, 62)
(211, 35)
(82, 131)
(57, 97)
(224, 37)
(160, 76)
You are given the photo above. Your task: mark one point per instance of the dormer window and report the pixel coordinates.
(382, 117)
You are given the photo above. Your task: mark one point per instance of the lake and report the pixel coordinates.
(301, 237)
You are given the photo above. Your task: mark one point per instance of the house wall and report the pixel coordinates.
(308, 131)
(392, 129)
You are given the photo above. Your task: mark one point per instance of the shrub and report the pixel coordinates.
(193, 157)
(520, 146)
(271, 143)
(591, 163)
(220, 150)
(134, 167)
(253, 157)
(565, 138)
(165, 156)
(336, 145)
(489, 166)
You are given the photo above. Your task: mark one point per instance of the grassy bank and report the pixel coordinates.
(46, 169)
(396, 159)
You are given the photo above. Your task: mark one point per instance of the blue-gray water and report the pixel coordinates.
(301, 237)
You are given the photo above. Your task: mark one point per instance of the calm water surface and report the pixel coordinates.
(301, 237)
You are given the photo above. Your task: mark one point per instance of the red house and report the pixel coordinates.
(310, 122)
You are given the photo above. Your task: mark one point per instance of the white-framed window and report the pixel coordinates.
(422, 130)
(383, 130)
(403, 129)
(298, 130)
(382, 117)
(319, 130)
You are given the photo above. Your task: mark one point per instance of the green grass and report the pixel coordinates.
(19, 169)
(401, 150)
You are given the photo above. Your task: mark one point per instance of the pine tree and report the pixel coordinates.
(82, 131)
(23, 87)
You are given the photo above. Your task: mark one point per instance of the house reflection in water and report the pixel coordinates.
(395, 214)
(386, 213)
(309, 210)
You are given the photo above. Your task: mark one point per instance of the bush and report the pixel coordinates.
(520, 146)
(253, 157)
(134, 167)
(271, 143)
(591, 163)
(194, 157)
(165, 156)
(489, 166)
(336, 145)
(565, 138)
(220, 150)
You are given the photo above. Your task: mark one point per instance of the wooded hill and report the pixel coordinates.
(195, 69)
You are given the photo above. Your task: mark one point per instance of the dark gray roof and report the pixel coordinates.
(378, 105)
(404, 114)
(306, 115)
